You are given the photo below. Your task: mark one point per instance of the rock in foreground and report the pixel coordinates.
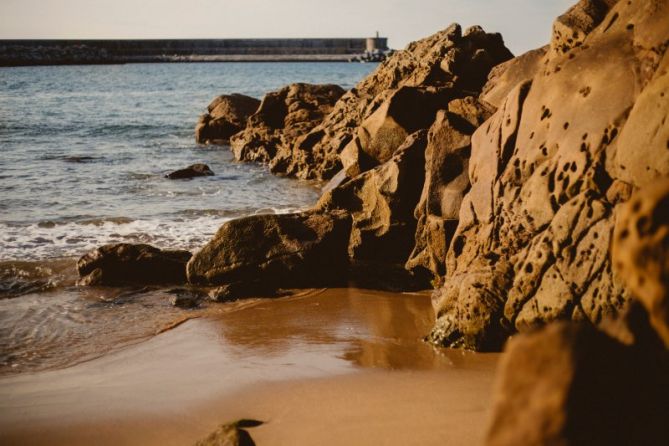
(641, 251)
(571, 385)
(227, 115)
(128, 264)
(281, 251)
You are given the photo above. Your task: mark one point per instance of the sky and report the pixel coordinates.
(524, 24)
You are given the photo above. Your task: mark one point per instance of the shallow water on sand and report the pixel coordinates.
(330, 367)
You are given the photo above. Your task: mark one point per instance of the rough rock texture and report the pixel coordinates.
(127, 264)
(227, 115)
(282, 120)
(446, 182)
(548, 172)
(374, 117)
(192, 171)
(572, 27)
(282, 251)
(569, 384)
(232, 434)
(640, 252)
(381, 203)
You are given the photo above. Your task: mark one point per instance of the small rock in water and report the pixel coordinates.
(192, 171)
(132, 264)
(184, 298)
(240, 290)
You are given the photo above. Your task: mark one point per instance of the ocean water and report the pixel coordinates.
(83, 154)
(84, 150)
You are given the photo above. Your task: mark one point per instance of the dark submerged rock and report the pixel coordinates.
(192, 171)
(132, 264)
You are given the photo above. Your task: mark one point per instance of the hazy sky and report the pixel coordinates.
(525, 24)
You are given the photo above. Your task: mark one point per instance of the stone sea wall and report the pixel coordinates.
(41, 52)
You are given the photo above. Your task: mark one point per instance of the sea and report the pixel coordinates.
(83, 155)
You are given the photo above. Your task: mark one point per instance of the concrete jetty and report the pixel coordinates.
(62, 52)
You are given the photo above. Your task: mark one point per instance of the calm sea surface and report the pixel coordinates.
(83, 152)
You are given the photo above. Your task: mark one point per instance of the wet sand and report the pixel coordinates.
(326, 367)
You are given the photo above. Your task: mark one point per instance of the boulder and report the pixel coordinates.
(226, 115)
(570, 384)
(446, 182)
(372, 117)
(640, 252)
(283, 117)
(549, 172)
(132, 264)
(282, 251)
(381, 203)
(192, 171)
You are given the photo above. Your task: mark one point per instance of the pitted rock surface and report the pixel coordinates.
(548, 174)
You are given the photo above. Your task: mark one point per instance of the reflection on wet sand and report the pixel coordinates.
(372, 329)
(294, 361)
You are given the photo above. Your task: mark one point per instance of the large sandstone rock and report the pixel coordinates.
(571, 385)
(374, 116)
(406, 110)
(641, 252)
(226, 115)
(281, 251)
(572, 27)
(381, 203)
(128, 264)
(446, 182)
(548, 173)
(283, 118)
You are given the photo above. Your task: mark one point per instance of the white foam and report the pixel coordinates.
(72, 239)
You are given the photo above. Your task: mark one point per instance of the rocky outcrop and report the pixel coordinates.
(128, 264)
(192, 171)
(549, 171)
(381, 203)
(226, 115)
(579, 386)
(283, 119)
(641, 252)
(401, 96)
(281, 251)
(446, 182)
(570, 384)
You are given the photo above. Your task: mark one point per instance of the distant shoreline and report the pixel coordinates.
(95, 52)
(188, 59)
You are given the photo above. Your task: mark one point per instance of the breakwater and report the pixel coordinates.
(57, 52)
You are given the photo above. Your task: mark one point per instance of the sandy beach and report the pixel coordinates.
(340, 366)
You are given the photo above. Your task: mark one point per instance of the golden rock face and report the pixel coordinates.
(640, 251)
